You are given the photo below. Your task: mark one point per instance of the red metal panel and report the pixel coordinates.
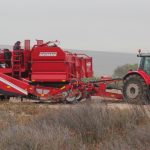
(88, 67)
(141, 73)
(48, 63)
(2, 60)
(39, 42)
(102, 91)
(49, 77)
(27, 45)
(13, 85)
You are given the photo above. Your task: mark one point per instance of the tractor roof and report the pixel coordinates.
(143, 55)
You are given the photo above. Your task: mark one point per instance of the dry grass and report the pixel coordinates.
(85, 126)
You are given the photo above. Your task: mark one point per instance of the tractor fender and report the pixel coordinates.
(140, 73)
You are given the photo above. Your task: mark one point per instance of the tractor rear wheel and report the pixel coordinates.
(135, 90)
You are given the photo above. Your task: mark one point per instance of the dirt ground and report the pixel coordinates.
(96, 101)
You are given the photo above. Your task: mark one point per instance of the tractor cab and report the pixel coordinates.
(144, 62)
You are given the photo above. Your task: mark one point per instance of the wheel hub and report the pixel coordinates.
(132, 90)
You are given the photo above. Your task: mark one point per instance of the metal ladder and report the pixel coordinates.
(16, 64)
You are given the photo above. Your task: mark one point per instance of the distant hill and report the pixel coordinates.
(104, 63)
(5, 46)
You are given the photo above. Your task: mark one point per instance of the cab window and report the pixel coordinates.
(146, 66)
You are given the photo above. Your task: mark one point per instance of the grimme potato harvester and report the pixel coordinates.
(46, 72)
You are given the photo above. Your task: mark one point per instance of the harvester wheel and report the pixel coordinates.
(135, 90)
(71, 98)
(79, 96)
(74, 96)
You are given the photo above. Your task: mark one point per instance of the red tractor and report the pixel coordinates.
(136, 88)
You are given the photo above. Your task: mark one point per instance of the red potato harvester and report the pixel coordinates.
(44, 71)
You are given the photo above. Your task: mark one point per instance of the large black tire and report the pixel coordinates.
(135, 90)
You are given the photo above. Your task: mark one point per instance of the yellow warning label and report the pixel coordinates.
(63, 87)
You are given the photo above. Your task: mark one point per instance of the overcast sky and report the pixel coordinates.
(104, 25)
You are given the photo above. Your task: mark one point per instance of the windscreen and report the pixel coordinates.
(145, 64)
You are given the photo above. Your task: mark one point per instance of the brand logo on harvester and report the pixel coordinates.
(88, 64)
(52, 54)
